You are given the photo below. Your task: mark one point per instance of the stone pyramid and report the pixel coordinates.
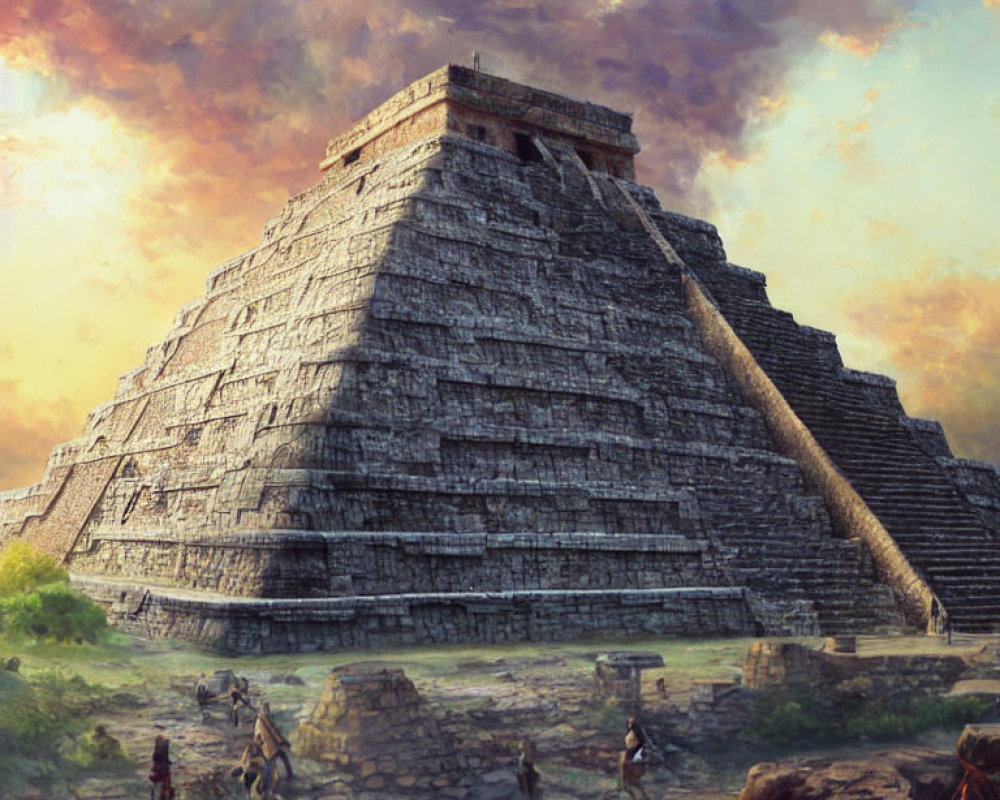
(477, 385)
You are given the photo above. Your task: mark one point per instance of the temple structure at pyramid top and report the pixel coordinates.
(477, 385)
(459, 101)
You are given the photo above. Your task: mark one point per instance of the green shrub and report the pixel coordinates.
(881, 725)
(55, 611)
(98, 749)
(798, 716)
(37, 716)
(919, 715)
(784, 718)
(944, 712)
(24, 727)
(60, 696)
(24, 568)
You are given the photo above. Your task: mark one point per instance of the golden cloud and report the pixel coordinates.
(879, 229)
(27, 433)
(854, 45)
(943, 334)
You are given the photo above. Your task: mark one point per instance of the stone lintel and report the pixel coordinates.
(626, 659)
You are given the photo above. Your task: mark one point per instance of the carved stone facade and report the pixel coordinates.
(466, 387)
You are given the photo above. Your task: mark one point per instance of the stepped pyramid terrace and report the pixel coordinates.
(477, 385)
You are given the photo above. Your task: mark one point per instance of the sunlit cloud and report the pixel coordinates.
(28, 431)
(883, 229)
(878, 190)
(849, 44)
(943, 335)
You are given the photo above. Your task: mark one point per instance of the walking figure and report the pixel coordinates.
(632, 760)
(527, 775)
(159, 773)
(238, 694)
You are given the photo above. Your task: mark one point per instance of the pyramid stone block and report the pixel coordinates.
(477, 385)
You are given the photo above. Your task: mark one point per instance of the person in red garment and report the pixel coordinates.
(159, 773)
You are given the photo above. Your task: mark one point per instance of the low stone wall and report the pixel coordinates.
(770, 664)
(275, 626)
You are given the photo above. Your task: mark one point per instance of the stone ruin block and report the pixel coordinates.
(781, 664)
(979, 745)
(618, 676)
(370, 722)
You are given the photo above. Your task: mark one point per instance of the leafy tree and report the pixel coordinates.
(55, 611)
(24, 568)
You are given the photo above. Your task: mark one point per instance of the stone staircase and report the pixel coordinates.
(836, 575)
(859, 422)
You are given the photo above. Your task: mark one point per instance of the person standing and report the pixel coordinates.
(159, 772)
(527, 775)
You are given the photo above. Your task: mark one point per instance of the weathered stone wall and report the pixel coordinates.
(770, 664)
(980, 483)
(502, 106)
(289, 625)
(302, 564)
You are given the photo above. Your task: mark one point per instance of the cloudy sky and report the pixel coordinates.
(846, 149)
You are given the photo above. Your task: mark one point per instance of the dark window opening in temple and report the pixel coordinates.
(526, 150)
(587, 158)
(536, 218)
(353, 156)
(361, 185)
